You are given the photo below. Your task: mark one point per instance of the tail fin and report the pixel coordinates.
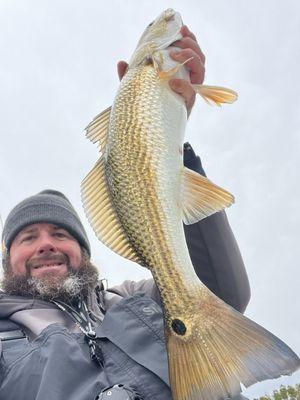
(224, 350)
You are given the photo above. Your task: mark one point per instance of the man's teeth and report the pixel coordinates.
(48, 265)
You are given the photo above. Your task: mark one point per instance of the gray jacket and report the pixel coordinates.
(52, 361)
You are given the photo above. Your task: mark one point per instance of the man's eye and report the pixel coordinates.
(60, 234)
(27, 238)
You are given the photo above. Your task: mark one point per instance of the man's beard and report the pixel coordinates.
(50, 286)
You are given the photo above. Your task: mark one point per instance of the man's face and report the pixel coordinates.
(46, 262)
(44, 249)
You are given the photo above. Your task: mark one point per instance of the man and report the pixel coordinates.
(64, 336)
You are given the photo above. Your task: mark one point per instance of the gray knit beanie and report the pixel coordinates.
(47, 206)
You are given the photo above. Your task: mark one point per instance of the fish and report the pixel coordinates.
(137, 197)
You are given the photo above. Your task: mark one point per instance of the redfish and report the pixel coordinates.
(136, 198)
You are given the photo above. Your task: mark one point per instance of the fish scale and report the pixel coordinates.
(146, 136)
(137, 196)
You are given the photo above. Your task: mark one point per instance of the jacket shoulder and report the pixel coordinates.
(129, 288)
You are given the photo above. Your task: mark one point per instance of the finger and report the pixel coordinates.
(186, 32)
(195, 65)
(189, 43)
(183, 88)
(122, 67)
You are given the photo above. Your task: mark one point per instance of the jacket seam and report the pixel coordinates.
(34, 347)
(145, 323)
(130, 373)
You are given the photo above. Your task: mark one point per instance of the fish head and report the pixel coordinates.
(158, 35)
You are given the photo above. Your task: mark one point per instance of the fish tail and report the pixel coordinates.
(224, 350)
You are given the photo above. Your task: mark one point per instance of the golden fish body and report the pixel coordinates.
(144, 168)
(136, 198)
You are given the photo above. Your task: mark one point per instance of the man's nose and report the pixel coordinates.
(46, 245)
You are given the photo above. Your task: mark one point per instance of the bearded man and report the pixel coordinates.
(61, 268)
(63, 335)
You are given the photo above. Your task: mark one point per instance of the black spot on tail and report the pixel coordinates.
(178, 327)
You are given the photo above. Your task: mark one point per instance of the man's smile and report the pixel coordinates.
(49, 265)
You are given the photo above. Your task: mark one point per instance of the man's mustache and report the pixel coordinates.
(47, 258)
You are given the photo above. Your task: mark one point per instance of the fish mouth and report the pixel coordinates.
(170, 14)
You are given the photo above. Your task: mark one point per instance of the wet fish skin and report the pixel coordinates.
(136, 198)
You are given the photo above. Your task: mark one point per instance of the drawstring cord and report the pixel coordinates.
(81, 317)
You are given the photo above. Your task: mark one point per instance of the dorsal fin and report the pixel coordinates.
(102, 215)
(97, 130)
(200, 197)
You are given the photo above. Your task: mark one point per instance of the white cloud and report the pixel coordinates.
(58, 69)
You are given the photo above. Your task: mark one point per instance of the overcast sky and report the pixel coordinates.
(58, 70)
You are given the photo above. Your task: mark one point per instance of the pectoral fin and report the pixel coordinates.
(200, 197)
(97, 130)
(166, 75)
(102, 215)
(216, 94)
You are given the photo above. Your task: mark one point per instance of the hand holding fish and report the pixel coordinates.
(190, 50)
